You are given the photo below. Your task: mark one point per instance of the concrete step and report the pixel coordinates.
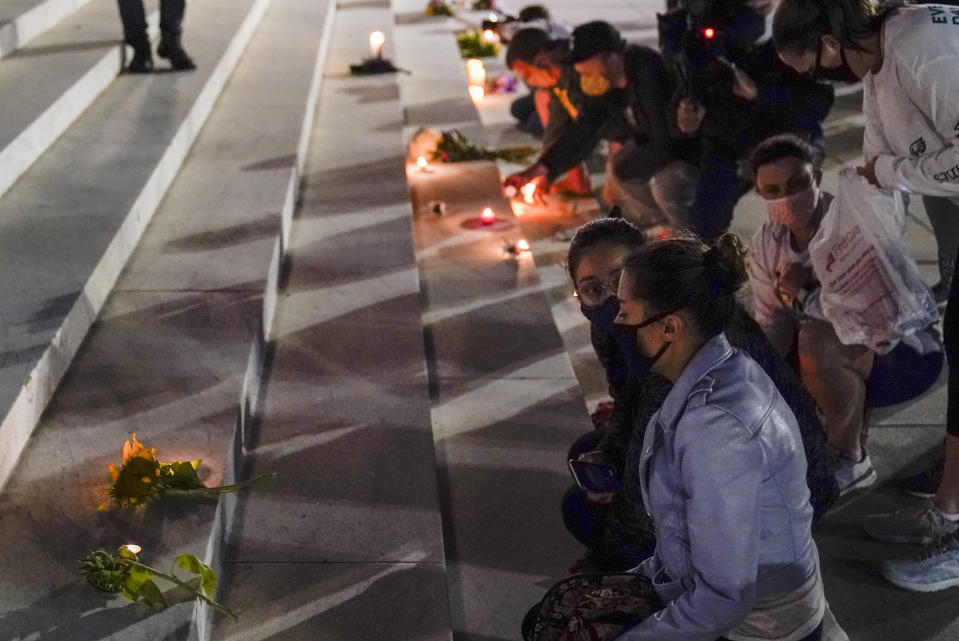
(49, 82)
(71, 222)
(506, 403)
(168, 354)
(23, 20)
(347, 542)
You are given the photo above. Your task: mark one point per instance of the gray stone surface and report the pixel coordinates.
(165, 359)
(347, 542)
(23, 20)
(70, 223)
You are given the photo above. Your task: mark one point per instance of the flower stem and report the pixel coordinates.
(224, 489)
(172, 579)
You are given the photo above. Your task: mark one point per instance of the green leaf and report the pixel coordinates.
(192, 564)
(139, 586)
(183, 476)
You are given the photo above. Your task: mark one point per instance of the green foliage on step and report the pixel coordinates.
(455, 147)
(122, 573)
(142, 479)
(439, 8)
(472, 46)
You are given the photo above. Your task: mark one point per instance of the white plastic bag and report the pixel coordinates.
(872, 291)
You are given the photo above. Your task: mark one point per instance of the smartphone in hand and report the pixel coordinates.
(595, 477)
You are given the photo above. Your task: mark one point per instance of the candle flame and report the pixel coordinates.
(477, 93)
(488, 216)
(377, 40)
(133, 548)
(529, 192)
(522, 245)
(421, 162)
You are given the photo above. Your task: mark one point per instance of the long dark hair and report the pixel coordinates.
(602, 231)
(798, 24)
(687, 274)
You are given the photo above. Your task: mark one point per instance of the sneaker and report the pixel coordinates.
(854, 475)
(922, 524)
(933, 568)
(925, 483)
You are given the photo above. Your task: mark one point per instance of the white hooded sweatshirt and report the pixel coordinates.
(912, 104)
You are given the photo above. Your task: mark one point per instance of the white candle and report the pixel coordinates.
(377, 40)
(421, 162)
(476, 72)
(490, 37)
(477, 93)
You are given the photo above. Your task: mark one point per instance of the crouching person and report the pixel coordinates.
(723, 470)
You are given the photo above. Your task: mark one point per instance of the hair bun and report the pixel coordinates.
(725, 262)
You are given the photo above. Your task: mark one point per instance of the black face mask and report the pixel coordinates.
(638, 363)
(603, 315)
(842, 73)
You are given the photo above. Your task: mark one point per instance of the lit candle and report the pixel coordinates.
(132, 548)
(477, 93)
(490, 37)
(421, 163)
(522, 245)
(377, 40)
(476, 72)
(488, 216)
(529, 191)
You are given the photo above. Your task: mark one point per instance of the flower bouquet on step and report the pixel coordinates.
(455, 147)
(439, 8)
(123, 573)
(472, 45)
(142, 479)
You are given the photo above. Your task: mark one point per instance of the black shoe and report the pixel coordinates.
(925, 483)
(142, 61)
(171, 49)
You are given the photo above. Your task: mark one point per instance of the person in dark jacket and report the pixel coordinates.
(615, 528)
(732, 92)
(650, 174)
(556, 98)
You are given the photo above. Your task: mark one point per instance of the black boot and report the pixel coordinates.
(142, 61)
(171, 49)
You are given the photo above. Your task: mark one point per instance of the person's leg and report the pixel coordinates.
(674, 189)
(943, 214)
(134, 20)
(171, 16)
(835, 375)
(171, 26)
(583, 518)
(718, 192)
(629, 191)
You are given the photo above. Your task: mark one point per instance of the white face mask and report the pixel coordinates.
(794, 211)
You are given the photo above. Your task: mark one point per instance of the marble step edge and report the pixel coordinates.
(35, 21)
(253, 388)
(31, 143)
(38, 389)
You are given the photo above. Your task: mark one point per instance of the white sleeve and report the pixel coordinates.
(874, 141)
(935, 89)
(769, 312)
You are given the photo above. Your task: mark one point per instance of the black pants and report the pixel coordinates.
(135, 20)
(950, 337)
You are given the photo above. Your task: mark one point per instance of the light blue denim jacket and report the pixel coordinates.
(723, 475)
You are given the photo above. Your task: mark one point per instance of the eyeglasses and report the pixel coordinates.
(596, 293)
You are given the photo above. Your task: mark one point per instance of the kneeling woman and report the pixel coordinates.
(723, 470)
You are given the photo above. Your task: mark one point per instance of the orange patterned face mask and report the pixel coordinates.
(593, 84)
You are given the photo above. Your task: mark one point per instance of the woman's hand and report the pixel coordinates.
(744, 86)
(537, 173)
(868, 171)
(791, 282)
(689, 116)
(597, 456)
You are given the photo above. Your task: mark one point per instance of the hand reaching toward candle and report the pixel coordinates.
(536, 173)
